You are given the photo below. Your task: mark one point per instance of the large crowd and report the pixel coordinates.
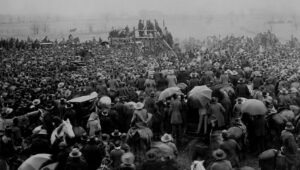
(135, 96)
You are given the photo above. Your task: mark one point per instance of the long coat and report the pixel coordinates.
(232, 149)
(175, 110)
(217, 111)
(289, 147)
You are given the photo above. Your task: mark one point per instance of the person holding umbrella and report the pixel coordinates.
(289, 146)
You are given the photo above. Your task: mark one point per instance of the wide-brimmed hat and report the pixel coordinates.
(116, 133)
(139, 106)
(151, 155)
(75, 153)
(49, 106)
(219, 154)
(123, 135)
(8, 110)
(166, 138)
(284, 91)
(61, 84)
(127, 158)
(225, 134)
(289, 126)
(234, 73)
(36, 102)
(105, 137)
(241, 80)
(69, 105)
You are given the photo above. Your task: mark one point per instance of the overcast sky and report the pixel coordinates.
(96, 7)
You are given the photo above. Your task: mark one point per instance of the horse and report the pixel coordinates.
(63, 130)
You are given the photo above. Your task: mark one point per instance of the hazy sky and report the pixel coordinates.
(96, 7)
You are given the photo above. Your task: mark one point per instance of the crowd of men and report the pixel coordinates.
(37, 83)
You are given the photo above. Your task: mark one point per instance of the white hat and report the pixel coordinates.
(166, 138)
(139, 106)
(234, 73)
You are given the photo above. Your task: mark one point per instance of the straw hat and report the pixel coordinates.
(166, 138)
(69, 105)
(75, 153)
(289, 126)
(36, 102)
(61, 84)
(234, 73)
(116, 133)
(219, 154)
(139, 106)
(127, 158)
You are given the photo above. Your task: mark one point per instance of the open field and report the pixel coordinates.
(182, 27)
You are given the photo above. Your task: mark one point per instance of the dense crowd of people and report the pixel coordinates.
(127, 105)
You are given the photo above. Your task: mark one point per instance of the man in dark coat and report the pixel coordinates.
(182, 76)
(242, 89)
(257, 82)
(93, 154)
(40, 144)
(289, 146)
(231, 148)
(161, 82)
(259, 132)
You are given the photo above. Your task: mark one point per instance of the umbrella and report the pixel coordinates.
(84, 98)
(296, 85)
(182, 86)
(202, 94)
(224, 87)
(254, 107)
(34, 162)
(288, 115)
(169, 92)
(50, 167)
(163, 149)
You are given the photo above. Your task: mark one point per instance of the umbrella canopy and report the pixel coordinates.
(34, 162)
(50, 167)
(169, 92)
(202, 94)
(254, 107)
(182, 86)
(163, 149)
(84, 98)
(295, 84)
(224, 87)
(288, 115)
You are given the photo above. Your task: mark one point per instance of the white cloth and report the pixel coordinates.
(197, 165)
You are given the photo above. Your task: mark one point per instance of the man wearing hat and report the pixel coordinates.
(234, 78)
(127, 161)
(241, 89)
(220, 162)
(289, 146)
(257, 81)
(76, 161)
(93, 154)
(231, 148)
